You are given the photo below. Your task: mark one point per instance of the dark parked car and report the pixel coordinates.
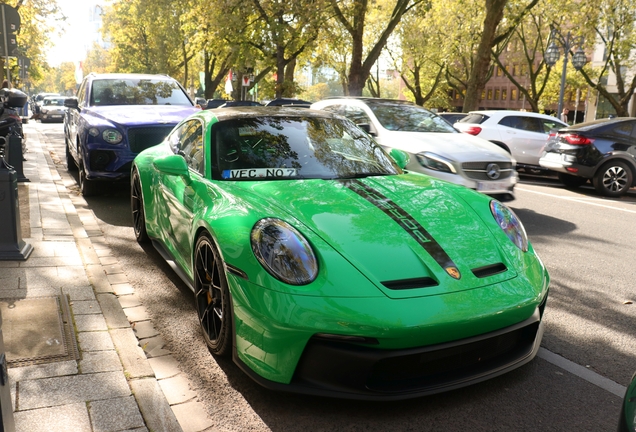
(289, 102)
(603, 151)
(214, 103)
(114, 117)
(239, 103)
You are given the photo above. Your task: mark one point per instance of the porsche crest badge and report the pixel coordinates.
(453, 272)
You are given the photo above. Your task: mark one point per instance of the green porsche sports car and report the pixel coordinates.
(324, 268)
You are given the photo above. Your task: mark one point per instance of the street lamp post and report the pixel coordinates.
(552, 55)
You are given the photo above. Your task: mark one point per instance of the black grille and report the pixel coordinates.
(478, 170)
(144, 137)
(452, 364)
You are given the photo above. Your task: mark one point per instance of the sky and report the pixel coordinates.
(71, 45)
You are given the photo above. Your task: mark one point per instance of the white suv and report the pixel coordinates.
(433, 145)
(523, 134)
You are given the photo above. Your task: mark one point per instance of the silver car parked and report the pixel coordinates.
(433, 145)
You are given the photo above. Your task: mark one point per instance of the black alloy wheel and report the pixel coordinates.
(570, 181)
(137, 209)
(613, 179)
(212, 297)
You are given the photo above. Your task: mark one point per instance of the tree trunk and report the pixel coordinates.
(288, 89)
(479, 72)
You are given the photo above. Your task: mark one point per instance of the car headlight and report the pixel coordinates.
(112, 136)
(510, 224)
(284, 252)
(435, 162)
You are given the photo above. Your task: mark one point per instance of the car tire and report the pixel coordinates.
(613, 179)
(570, 181)
(212, 297)
(88, 187)
(137, 209)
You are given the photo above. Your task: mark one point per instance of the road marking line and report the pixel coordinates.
(580, 200)
(583, 372)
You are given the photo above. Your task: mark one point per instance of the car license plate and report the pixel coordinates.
(490, 186)
(57, 116)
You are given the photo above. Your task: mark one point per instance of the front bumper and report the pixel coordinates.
(302, 343)
(353, 371)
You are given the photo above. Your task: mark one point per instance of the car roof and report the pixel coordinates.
(95, 76)
(600, 122)
(501, 113)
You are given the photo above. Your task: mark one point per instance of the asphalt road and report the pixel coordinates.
(585, 241)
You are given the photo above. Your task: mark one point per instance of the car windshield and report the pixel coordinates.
(409, 118)
(137, 92)
(54, 102)
(266, 148)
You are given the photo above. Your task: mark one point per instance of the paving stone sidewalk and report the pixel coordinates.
(115, 385)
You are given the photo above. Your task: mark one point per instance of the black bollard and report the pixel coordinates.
(15, 156)
(12, 247)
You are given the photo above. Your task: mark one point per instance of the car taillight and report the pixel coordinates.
(472, 130)
(575, 139)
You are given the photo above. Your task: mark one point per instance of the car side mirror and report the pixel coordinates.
(172, 165)
(401, 158)
(71, 103)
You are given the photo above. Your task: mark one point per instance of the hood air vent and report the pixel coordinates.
(402, 284)
(489, 270)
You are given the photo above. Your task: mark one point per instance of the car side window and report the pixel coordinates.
(530, 124)
(357, 115)
(81, 93)
(190, 145)
(549, 125)
(624, 129)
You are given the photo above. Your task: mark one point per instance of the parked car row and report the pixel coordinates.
(264, 210)
(401, 284)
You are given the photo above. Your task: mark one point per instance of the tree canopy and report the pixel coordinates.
(359, 47)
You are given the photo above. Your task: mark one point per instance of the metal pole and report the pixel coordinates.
(565, 65)
(6, 44)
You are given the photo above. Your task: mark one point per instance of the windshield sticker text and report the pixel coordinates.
(256, 173)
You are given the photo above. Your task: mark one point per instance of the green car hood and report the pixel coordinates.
(409, 234)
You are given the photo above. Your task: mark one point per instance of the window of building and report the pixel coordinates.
(499, 71)
(497, 92)
(504, 94)
(489, 94)
(513, 94)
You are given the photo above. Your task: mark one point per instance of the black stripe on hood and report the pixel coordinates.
(406, 221)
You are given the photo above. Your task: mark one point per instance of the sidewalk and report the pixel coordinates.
(114, 384)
